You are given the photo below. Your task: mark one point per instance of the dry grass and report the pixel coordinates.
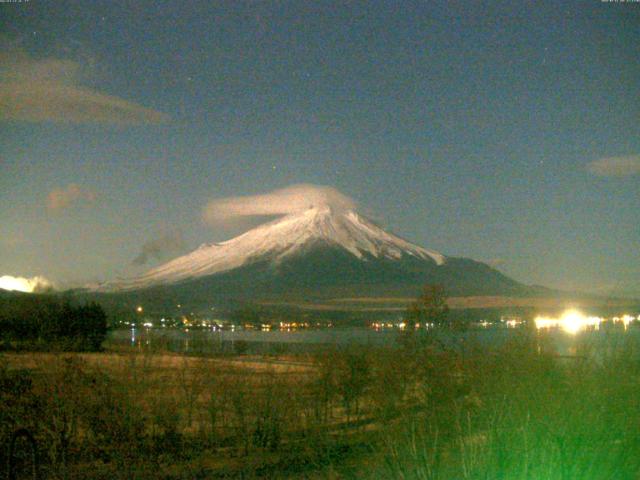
(163, 361)
(421, 411)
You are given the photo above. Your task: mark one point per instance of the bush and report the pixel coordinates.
(513, 413)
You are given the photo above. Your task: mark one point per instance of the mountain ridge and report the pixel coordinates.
(315, 254)
(279, 240)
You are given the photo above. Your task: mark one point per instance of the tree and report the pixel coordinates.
(94, 326)
(47, 320)
(352, 377)
(430, 308)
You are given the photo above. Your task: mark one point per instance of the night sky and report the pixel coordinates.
(507, 132)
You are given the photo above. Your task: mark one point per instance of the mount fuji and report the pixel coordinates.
(318, 252)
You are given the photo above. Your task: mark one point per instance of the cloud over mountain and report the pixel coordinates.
(293, 199)
(166, 243)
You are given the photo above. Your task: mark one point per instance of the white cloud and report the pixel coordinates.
(295, 198)
(62, 198)
(615, 166)
(22, 284)
(49, 89)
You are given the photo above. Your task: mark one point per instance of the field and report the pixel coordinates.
(422, 410)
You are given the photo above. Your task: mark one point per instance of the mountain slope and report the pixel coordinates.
(279, 240)
(318, 253)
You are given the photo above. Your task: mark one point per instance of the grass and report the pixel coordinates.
(419, 411)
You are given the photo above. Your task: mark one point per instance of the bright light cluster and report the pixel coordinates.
(573, 321)
(21, 284)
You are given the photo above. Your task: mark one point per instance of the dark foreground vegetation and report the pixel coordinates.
(50, 322)
(423, 410)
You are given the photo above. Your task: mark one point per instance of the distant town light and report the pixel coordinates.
(625, 320)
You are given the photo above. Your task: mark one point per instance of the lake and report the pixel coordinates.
(203, 341)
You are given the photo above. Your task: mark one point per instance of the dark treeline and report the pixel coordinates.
(49, 322)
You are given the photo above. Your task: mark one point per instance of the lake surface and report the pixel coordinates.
(277, 341)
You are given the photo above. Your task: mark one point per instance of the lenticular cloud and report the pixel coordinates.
(284, 201)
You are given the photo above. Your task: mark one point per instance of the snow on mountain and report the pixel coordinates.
(279, 239)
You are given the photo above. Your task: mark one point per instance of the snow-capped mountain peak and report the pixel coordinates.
(279, 239)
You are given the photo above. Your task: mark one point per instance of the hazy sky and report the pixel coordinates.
(505, 131)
